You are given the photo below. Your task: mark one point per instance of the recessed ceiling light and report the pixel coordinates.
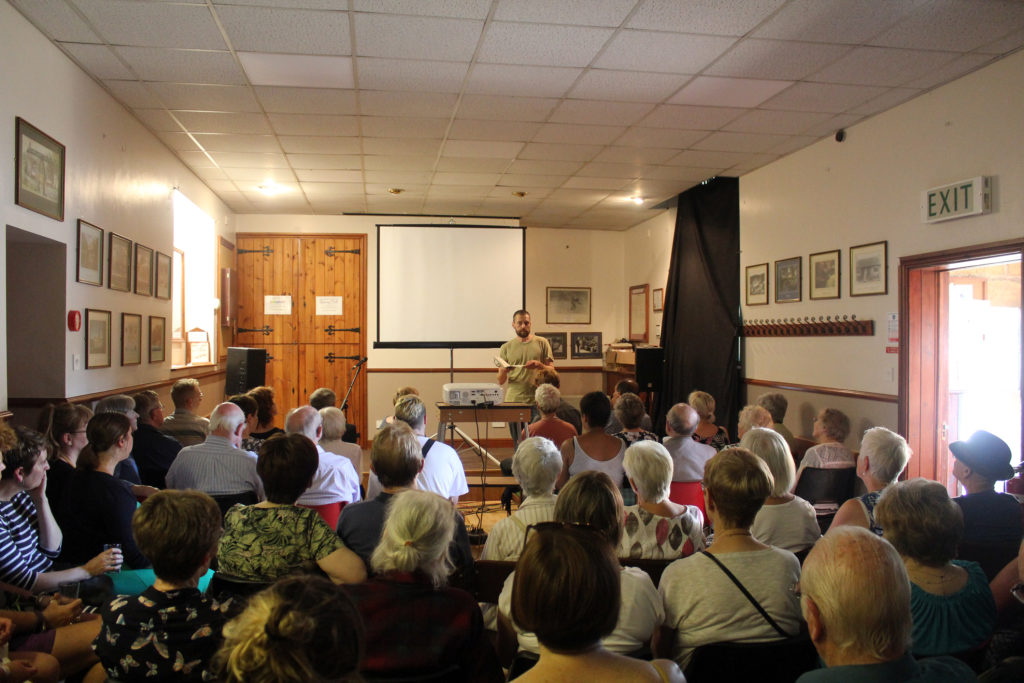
(519, 193)
(395, 190)
(637, 200)
(270, 188)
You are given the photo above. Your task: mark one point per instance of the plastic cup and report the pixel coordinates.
(108, 546)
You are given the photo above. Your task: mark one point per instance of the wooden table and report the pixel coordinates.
(503, 412)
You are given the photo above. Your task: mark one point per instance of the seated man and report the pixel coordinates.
(152, 450)
(184, 425)
(171, 630)
(980, 462)
(856, 601)
(688, 456)
(776, 405)
(335, 480)
(614, 426)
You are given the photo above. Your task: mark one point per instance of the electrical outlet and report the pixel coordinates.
(76, 361)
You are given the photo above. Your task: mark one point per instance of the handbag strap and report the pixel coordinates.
(745, 592)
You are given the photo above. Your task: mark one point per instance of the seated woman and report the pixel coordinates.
(592, 500)
(657, 528)
(593, 450)
(630, 412)
(752, 416)
(707, 431)
(950, 601)
(300, 629)
(561, 572)
(97, 508)
(274, 538)
(63, 425)
(333, 439)
(265, 413)
(883, 457)
(565, 411)
(831, 427)
(416, 625)
(736, 483)
(550, 426)
(785, 521)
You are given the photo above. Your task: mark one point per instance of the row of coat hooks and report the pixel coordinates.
(810, 326)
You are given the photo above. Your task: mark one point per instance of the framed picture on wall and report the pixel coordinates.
(586, 345)
(869, 269)
(143, 270)
(97, 338)
(823, 270)
(120, 256)
(131, 339)
(39, 171)
(559, 344)
(659, 299)
(163, 276)
(638, 322)
(757, 285)
(568, 306)
(157, 338)
(788, 280)
(90, 254)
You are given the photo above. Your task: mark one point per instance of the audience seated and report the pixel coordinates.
(63, 425)
(615, 425)
(333, 441)
(950, 600)
(153, 451)
(124, 404)
(566, 411)
(629, 410)
(171, 630)
(550, 426)
(883, 457)
(250, 409)
(776, 404)
(831, 427)
(335, 479)
(593, 449)
(980, 462)
(184, 425)
(591, 499)
(21, 666)
(568, 591)
(265, 413)
(657, 528)
(856, 600)
(324, 397)
(300, 630)
(707, 431)
(415, 624)
(752, 416)
(274, 538)
(736, 484)
(784, 521)
(688, 456)
(402, 391)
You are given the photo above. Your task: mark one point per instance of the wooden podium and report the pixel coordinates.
(503, 412)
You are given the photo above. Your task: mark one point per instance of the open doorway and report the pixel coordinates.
(960, 352)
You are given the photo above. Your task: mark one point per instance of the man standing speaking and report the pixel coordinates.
(526, 354)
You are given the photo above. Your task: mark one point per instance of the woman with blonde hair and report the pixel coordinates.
(707, 431)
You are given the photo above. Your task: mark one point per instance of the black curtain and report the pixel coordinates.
(700, 325)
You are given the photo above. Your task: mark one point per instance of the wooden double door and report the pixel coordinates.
(303, 299)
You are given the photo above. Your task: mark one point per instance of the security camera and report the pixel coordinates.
(840, 135)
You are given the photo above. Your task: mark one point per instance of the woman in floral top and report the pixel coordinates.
(629, 410)
(707, 431)
(268, 540)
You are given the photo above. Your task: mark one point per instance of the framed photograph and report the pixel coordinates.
(163, 276)
(143, 270)
(869, 269)
(757, 285)
(131, 339)
(120, 270)
(823, 269)
(659, 299)
(788, 281)
(39, 171)
(157, 338)
(568, 306)
(97, 338)
(638, 313)
(90, 254)
(559, 344)
(586, 345)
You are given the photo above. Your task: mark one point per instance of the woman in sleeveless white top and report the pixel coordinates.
(594, 449)
(582, 462)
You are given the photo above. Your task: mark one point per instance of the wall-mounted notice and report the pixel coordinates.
(892, 331)
(328, 305)
(277, 305)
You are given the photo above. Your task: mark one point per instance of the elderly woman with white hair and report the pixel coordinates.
(752, 416)
(883, 457)
(831, 427)
(657, 528)
(550, 426)
(535, 466)
(334, 429)
(784, 521)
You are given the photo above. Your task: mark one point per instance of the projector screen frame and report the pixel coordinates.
(377, 344)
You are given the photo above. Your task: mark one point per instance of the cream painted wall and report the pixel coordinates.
(118, 176)
(866, 189)
(646, 253)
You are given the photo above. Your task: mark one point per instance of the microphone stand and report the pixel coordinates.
(344, 402)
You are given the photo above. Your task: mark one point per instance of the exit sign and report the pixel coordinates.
(966, 198)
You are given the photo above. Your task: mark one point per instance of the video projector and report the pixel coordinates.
(471, 393)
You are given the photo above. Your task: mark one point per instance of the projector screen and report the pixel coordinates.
(448, 286)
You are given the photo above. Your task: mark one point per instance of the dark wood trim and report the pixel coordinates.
(224, 242)
(577, 368)
(828, 391)
(955, 255)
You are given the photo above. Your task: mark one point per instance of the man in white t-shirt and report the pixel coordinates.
(442, 470)
(335, 479)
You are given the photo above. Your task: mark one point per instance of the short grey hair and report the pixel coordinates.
(769, 445)
(547, 398)
(774, 403)
(683, 419)
(118, 403)
(303, 420)
(417, 530)
(334, 422)
(536, 465)
(411, 410)
(753, 416)
(887, 452)
(630, 410)
(226, 417)
(649, 465)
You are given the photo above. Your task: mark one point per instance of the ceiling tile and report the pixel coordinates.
(694, 118)
(198, 161)
(221, 185)
(475, 148)
(409, 190)
(57, 20)
(403, 179)
(636, 155)
(882, 66)
(125, 22)
(832, 124)
(501, 108)
(476, 191)
(205, 97)
(824, 97)
(178, 141)
(328, 176)
(541, 44)
(237, 143)
(514, 131)
(305, 32)
(660, 137)
(325, 161)
(677, 173)
(959, 25)
(890, 98)
(424, 104)
(626, 86)
(849, 22)
(581, 198)
(292, 4)
(98, 60)
(554, 151)
(158, 64)
(385, 127)
(228, 160)
(661, 52)
(1008, 43)
(405, 74)
(407, 37)
(728, 92)
(308, 71)
(220, 122)
(774, 121)
(600, 112)
(463, 9)
(206, 174)
(775, 59)
(595, 183)
(133, 94)
(309, 144)
(306, 100)
(314, 124)
(314, 190)
(572, 12)
(610, 170)
(257, 174)
(386, 204)
(401, 146)
(472, 165)
(156, 119)
(515, 80)
(395, 162)
(792, 144)
(544, 167)
(718, 17)
(577, 134)
(950, 71)
(739, 142)
(522, 180)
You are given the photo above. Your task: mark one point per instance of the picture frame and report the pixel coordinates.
(97, 338)
(757, 285)
(157, 338)
(869, 269)
(559, 344)
(131, 339)
(567, 306)
(788, 280)
(638, 319)
(39, 171)
(89, 270)
(659, 299)
(119, 276)
(162, 289)
(823, 275)
(143, 270)
(586, 345)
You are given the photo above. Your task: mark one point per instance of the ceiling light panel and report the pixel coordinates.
(297, 70)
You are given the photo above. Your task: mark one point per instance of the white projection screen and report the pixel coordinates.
(448, 286)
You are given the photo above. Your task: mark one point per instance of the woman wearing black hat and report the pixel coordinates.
(989, 517)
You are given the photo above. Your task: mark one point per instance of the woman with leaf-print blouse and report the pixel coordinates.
(268, 540)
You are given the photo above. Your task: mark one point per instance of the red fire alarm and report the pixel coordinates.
(74, 320)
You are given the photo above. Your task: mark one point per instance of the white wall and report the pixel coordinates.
(118, 176)
(646, 252)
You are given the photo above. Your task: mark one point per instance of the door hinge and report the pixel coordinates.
(331, 329)
(331, 251)
(266, 251)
